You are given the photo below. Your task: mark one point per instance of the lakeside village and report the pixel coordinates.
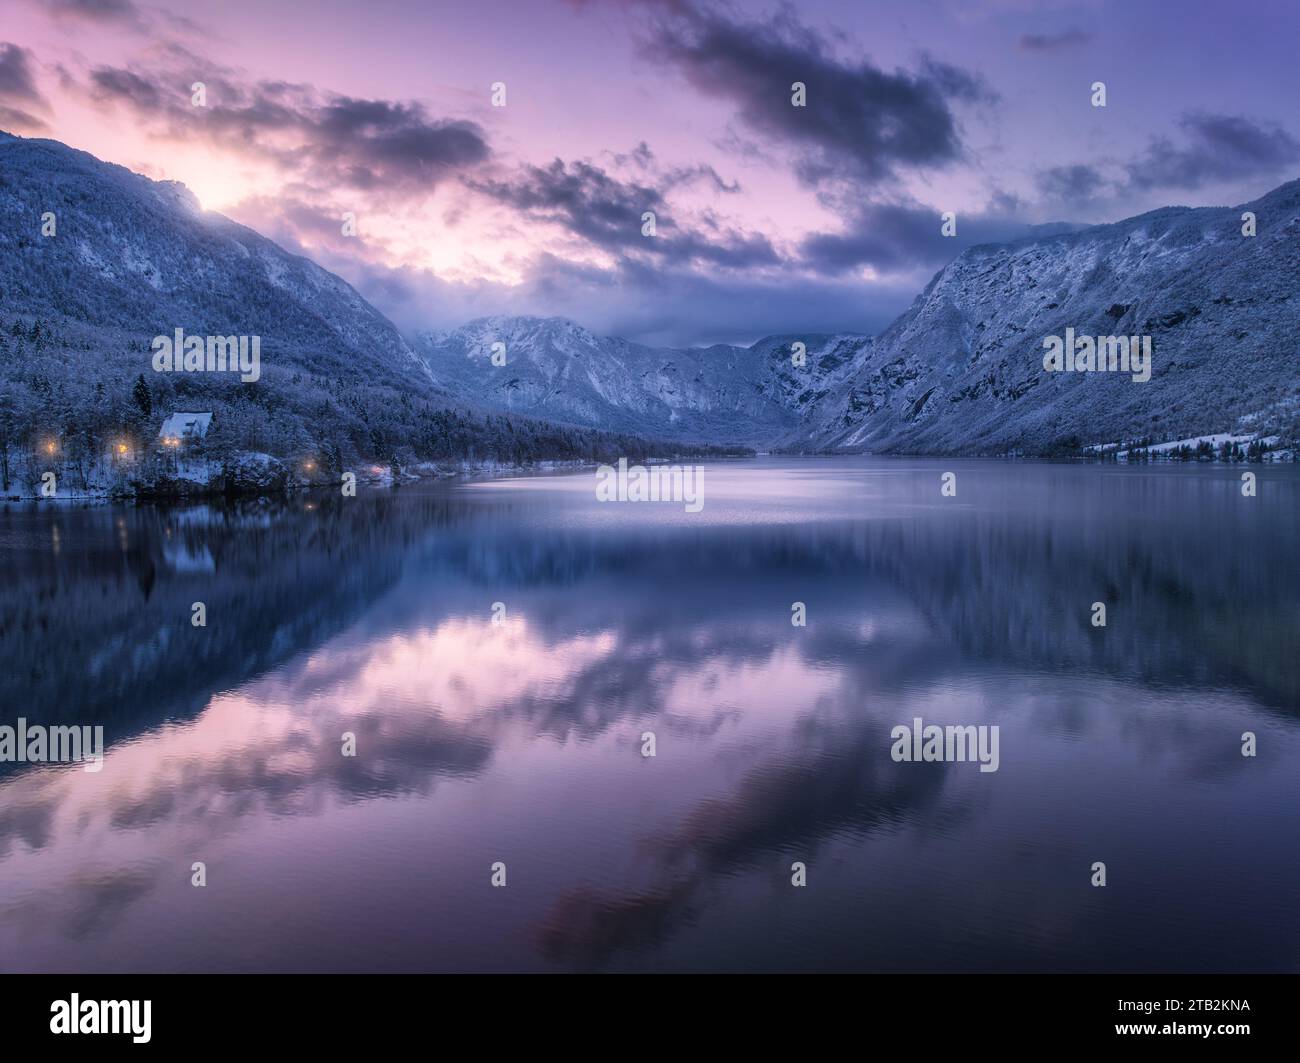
(180, 464)
(181, 461)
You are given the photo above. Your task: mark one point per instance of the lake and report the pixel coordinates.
(501, 650)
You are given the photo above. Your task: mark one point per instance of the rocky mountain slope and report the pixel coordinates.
(559, 370)
(962, 369)
(142, 256)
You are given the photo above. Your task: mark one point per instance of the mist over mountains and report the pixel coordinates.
(960, 372)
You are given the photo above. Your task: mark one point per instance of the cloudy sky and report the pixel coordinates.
(770, 217)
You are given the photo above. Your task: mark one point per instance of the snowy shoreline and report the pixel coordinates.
(276, 480)
(190, 489)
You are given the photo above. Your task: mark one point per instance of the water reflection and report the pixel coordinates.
(520, 741)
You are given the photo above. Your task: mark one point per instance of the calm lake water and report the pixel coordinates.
(521, 741)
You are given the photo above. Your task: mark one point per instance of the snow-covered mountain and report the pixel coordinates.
(96, 261)
(559, 370)
(142, 256)
(962, 369)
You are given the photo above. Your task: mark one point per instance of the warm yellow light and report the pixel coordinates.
(121, 448)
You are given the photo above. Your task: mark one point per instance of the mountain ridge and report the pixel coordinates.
(951, 374)
(960, 371)
(97, 261)
(947, 375)
(556, 368)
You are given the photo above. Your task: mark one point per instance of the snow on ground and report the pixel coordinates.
(1215, 440)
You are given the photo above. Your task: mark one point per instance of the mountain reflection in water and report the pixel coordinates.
(521, 741)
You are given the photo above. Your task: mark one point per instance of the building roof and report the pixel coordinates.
(185, 426)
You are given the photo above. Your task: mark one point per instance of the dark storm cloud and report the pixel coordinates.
(606, 211)
(694, 307)
(637, 301)
(583, 197)
(1070, 183)
(113, 83)
(685, 175)
(17, 85)
(332, 140)
(18, 91)
(16, 118)
(644, 159)
(1218, 147)
(384, 140)
(860, 122)
(899, 237)
(1053, 42)
(1211, 148)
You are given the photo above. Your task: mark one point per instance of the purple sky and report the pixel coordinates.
(771, 218)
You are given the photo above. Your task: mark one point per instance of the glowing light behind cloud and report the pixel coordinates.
(593, 82)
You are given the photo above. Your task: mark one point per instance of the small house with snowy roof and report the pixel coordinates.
(181, 428)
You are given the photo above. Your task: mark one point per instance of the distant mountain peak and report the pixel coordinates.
(558, 369)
